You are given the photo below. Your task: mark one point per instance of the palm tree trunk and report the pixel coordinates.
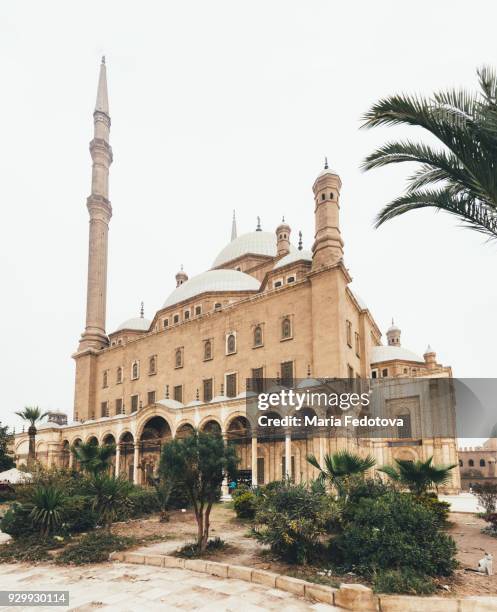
(32, 445)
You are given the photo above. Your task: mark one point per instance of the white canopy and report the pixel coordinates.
(14, 476)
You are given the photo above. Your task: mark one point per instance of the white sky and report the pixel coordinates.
(220, 105)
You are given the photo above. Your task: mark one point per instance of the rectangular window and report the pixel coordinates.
(176, 318)
(230, 385)
(152, 365)
(151, 397)
(207, 389)
(178, 357)
(178, 393)
(198, 310)
(166, 322)
(119, 406)
(104, 409)
(105, 379)
(349, 333)
(187, 315)
(384, 373)
(357, 344)
(287, 374)
(374, 374)
(258, 380)
(134, 403)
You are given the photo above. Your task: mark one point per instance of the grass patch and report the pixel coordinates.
(94, 547)
(29, 549)
(191, 551)
(310, 574)
(405, 581)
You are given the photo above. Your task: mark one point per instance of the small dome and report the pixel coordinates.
(257, 243)
(393, 328)
(292, 257)
(135, 324)
(327, 171)
(390, 353)
(213, 280)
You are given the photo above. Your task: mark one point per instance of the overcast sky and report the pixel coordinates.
(219, 105)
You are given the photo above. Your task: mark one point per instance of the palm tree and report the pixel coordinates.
(418, 476)
(461, 176)
(33, 415)
(93, 458)
(45, 505)
(340, 468)
(111, 496)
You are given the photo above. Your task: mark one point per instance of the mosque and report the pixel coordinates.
(265, 310)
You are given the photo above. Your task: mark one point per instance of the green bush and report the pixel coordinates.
(244, 504)
(16, 522)
(393, 531)
(78, 514)
(439, 508)
(143, 502)
(94, 547)
(292, 519)
(404, 580)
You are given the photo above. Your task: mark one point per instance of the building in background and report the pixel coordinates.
(265, 309)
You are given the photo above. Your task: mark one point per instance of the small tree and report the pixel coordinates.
(110, 495)
(418, 476)
(163, 488)
(486, 493)
(33, 415)
(341, 468)
(6, 461)
(198, 464)
(93, 458)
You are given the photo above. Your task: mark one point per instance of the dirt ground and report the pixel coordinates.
(243, 550)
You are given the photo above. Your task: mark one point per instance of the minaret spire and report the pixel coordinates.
(233, 227)
(100, 210)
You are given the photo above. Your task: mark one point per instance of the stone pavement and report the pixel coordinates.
(122, 587)
(464, 502)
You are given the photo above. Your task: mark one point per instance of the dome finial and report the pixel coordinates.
(142, 310)
(283, 219)
(325, 163)
(258, 228)
(103, 59)
(300, 240)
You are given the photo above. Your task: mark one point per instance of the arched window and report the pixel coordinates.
(258, 336)
(230, 344)
(286, 328)
(217, 306)
(152, 365)
(119, 375)
(482, 462)
(404, 430)
(178, 358)
(135, 370)
(471, 463)
(207, 350)
(105, 380)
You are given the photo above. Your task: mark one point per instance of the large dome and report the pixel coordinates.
(258, 243)
(212, 280)
(389, 353)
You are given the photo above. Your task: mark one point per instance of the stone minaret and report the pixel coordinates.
(100, 211)
(283, 232)
(328, 244)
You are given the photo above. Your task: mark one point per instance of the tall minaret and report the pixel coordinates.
(100, 211)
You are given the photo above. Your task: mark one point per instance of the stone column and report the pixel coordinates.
(118, 459)
(288, 455)
(136, 460)
(254, 461)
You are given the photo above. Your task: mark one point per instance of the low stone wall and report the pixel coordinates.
(356, 597)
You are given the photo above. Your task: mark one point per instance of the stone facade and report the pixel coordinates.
(265, 310)
(477, 464)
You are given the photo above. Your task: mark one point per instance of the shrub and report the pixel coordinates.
(439, 508)
(404, 580)
(486, 494)
(111, 496)
(244, 505)
(78, 514)
(192, 550)
(142, 502)
(393, 531)
(94, 547)
(16, 522)
(7, 493)
(292, 519)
